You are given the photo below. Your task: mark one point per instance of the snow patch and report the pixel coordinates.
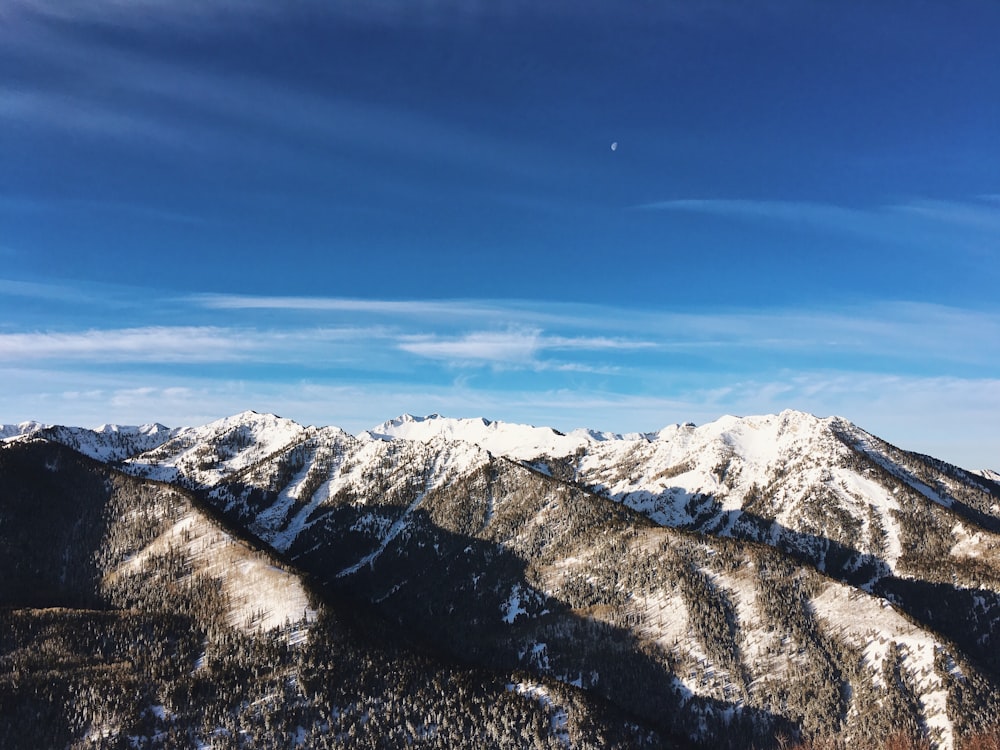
(514, 606)
(260, 595)
(558, 716)
(873, 626)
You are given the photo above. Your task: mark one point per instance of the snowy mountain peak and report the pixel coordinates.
(109, 442)
(145, 429)
(519, 441)
(257, 423)
(759, 435)
(21, 428)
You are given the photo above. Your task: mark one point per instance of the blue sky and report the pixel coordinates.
(341, 211)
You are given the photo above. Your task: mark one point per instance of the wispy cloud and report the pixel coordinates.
(795, 211)
(904, 331)
(516, 347)
(127, 97)
(72, 112)
(595, 343)
(133, 12)
(45, 291)
(384, 12)
(872, 223)
(983, 215)
(512, 348)
(180, 344)
(904, 222)
(886, 366)
(521, 333)
(464, 308)
(157, 344)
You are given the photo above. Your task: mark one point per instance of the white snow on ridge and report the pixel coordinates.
(109, 442)
(993, 476)
(260, 594)
(754, 437)
(8, 431)
(517, 441)
(240, 440)
(673, 476)
(875, 627)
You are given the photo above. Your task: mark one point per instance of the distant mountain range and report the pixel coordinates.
(719, 585)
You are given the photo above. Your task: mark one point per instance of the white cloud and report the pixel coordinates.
(985, 215)
(898, 329)
(594, 343)
(914, 373)
(346, 304)
(155, 344)
(514, 347)
(180, 344)
(948, 417)
(64, 110)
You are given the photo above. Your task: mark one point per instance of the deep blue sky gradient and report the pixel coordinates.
(804, 195)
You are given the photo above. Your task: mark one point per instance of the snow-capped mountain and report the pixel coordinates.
(500, 438)
(132, 618)
(988, 474)
(109, 442)
(760, 574)
(791, 480)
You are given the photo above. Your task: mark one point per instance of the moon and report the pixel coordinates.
(614, 146)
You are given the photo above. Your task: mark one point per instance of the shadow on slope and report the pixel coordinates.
(969, 616)
(52, 521)
(152, 676)
(471, 599)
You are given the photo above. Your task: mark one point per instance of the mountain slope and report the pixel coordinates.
(130, 617)
(729, 582)
(556, 559)
(821, 488)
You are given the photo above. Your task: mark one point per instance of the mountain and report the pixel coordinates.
(108, 442)
(723, 584)
(130, 616)
(821, 489)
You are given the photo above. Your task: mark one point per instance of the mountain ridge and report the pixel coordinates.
(467, 429)
(695, 564)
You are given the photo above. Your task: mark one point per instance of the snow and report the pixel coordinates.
(244, 438)
(260, 595)
(973, 543)
(873, 626)
(796, 455)
(516, 441)
(869, 445)
(558, 716)
(513, 606)
(664, 618)
(109, 442)
(8, 431)
(658, 474)
(401, 523)
(993, 476)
